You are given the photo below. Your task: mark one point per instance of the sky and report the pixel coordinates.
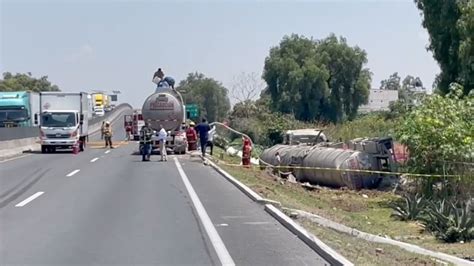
(117, 45)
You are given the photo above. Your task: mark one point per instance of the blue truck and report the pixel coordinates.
(17, 108)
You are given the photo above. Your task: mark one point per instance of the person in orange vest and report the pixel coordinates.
(191, 136)
(246, 151)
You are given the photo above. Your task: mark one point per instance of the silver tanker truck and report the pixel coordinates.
(165, 108)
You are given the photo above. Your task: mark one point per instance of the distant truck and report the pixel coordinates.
(308, 136)
(107, 103)
(63, 120)
(165, 107)
(99, 103)
(17, 108)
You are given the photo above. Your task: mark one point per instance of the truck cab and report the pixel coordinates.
(17, 108)
(63, 120)
(309, 137)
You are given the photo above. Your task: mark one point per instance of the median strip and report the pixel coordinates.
(32, 197)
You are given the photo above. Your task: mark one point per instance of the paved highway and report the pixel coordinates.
(107, 207)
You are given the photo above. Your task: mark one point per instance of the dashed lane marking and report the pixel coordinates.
(32, 197)
(107, 151)
(95, 159)
(73, 172)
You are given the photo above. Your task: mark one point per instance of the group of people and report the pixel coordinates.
(106, 133)
(146, 134)
(205, 134)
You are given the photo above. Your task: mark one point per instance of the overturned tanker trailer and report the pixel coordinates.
(325, 165)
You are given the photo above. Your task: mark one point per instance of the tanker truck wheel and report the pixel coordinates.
(44, 149)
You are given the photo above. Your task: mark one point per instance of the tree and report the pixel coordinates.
(392, 83)
(25, 82)
(450, 25)
(209, 94)
(439, 131)
(316, 79)
(246, 87)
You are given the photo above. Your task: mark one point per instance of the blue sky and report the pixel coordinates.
(117, 45)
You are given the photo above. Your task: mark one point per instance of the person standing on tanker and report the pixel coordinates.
(159, 74)
(162, 135)
(203, 130)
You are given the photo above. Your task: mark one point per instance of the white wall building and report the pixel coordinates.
(379, 100)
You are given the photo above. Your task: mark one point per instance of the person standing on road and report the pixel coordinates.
(162, 135)
(191, 137)
(108, 135)
(210, 140)
(102, 130)
(146, 133)
(203, 130)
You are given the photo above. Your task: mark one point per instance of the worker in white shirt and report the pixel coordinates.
(210, 139)
(162, 135)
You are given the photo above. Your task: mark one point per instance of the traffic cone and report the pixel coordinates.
(75, 148)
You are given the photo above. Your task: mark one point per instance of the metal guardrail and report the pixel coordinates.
(12, 133)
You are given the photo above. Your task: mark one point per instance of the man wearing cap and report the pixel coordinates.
(191, 136)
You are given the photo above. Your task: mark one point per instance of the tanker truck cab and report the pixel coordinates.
(62, 127)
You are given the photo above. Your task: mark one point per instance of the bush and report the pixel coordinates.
(410, 208)
(449, 222)
(439, 131)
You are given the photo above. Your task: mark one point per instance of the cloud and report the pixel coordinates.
(83, 52)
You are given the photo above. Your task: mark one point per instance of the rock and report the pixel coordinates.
(379, 251)
(462, 242)
(293, 215)
(369, 223)
(365, 196)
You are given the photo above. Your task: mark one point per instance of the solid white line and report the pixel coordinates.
(95, 159)
(73, 172)
(107, 151)
(211, 231)
(15, 158)
(32, 197)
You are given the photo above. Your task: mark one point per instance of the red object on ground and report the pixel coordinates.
(75, 148)
(191, 136)
(246, 152)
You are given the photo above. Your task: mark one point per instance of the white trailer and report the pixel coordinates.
(64, 120)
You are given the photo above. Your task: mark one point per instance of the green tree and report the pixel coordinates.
(439, 130)
(316, 79)
(450, 25)
(25, 82)
(392, 83)
(209, 94)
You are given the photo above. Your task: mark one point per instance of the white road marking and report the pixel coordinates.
(107, 151)
(32, 197)
(211, 231)
(221, 225)
(95, 159)
(256, 223)
(73, 172)
(15, 158)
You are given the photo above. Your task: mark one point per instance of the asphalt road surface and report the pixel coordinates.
(107, 207)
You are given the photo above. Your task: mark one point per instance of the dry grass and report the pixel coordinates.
(365, 210)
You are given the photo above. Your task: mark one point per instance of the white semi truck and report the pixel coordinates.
(63, 120)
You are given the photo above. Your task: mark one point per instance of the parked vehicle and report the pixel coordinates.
(165, 108)
(63, 120)
(17, 108)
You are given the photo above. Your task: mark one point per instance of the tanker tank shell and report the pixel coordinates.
(339, 159)
(163, 108)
